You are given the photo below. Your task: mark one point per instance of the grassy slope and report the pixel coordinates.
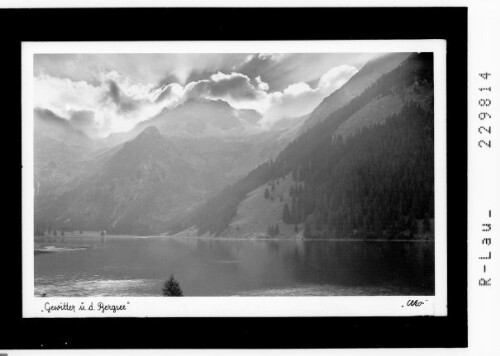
(256, 213)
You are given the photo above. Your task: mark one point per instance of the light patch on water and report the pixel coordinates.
(59, 249)
(97, 288)
(318, 290)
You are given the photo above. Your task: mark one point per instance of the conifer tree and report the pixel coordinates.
(172, 288)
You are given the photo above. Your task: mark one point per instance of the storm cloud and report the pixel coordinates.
(123, 103)
(102, 93)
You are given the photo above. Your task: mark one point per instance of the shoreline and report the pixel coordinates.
(88, 237)
(287, 239)
(51, 239)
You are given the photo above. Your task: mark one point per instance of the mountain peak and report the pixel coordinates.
(206, 102)
(150, 131)
(149, 137)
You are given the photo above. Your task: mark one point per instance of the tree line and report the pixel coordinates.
(360, 184)
(379, 183)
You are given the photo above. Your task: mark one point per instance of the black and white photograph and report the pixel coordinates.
(247, 174)
(251, 177)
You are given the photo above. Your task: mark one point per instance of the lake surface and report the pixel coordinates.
(138, 267)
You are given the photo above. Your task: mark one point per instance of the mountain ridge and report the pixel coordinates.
(125, 194)
(367, 75)
(159, 176)
(217, 213)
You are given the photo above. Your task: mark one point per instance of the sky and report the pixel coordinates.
(107, 93)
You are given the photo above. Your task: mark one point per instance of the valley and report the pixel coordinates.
(235, 174)
(205, 168)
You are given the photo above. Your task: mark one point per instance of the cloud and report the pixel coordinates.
(243, 92)
(168, 79)
(123, 103)
(117, 103)
(260, 84)
(60, 95)
(336, 77)
(170, 93)
(300, 98)
(112, 100)
(297, 89)
(233, 86)
(159, 69)
(275, 57)
(280, 70)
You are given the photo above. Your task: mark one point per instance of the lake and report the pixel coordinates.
(204, 267)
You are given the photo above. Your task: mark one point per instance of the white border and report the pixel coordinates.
(484, 177)
(242, 306)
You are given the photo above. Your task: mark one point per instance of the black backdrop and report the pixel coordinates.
(234, 24)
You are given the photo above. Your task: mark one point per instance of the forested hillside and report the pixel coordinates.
(378, 182)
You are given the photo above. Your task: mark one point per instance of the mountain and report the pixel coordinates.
(146, 184)
(137, 190)
(366, 76)
(59, 150)
(48, 124)
(197, 118)
(200, 164)
(202, 117)
(212, 133)
(365, 170)
(91, 188)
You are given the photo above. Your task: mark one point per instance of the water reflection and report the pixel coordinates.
(204, 267)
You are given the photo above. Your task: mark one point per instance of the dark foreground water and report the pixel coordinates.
(138, 267)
